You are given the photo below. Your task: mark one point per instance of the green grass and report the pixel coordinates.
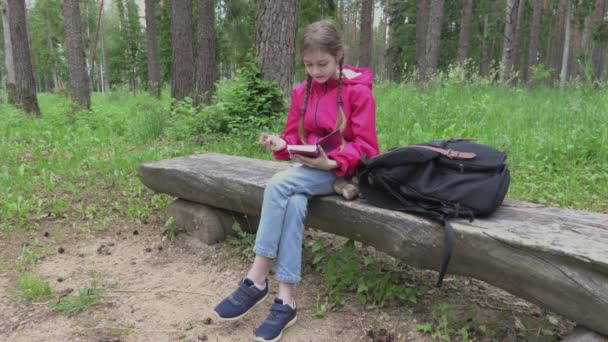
(86, 298)
(83, 166)
(556, 142)
(32, 288)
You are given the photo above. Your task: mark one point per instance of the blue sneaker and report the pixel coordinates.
(281, 317)
(241, 301)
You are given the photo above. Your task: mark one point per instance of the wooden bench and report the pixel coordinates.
(556, 258)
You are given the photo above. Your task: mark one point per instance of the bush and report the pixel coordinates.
(245, 104)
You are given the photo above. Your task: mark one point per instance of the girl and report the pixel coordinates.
(334, 96)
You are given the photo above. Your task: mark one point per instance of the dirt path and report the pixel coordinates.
(155, 290)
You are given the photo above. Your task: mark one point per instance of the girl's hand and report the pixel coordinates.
(272, 142)
(321, 162)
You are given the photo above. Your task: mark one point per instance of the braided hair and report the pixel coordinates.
(322, 35)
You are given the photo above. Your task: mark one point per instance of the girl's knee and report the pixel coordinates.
(298, 203)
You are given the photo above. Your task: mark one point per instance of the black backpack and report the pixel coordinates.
(440, 180)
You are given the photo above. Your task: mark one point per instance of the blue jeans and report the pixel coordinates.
(281, 228)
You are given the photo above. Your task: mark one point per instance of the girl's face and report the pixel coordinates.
(320, 65)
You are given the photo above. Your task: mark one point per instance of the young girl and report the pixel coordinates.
(334, 96)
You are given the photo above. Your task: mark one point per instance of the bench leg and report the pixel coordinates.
(208, 224)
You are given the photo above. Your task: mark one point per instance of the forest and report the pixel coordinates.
(91, 89)
(129, 46)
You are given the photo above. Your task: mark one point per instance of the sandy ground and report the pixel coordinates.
(156, 290)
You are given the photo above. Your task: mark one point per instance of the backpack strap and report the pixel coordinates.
(448, 243)
(452, 154)
(448, 237)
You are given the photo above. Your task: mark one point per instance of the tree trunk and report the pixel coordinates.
(433, 37)
(534, 36)
(484, 60)
(341, 15)
(153, 58)
(559, 39)
(564, 72)
(586, 49)
(51, 50)
(207, 66)
(575, 40)
(8, 53)
(104, 61)
(182, 84)
(79, 79)
(275, 40)
(421, 28)
(518, 36)
(597, 56)
(382, 62)
(353, 13)
(464, 38)
(365, 52)
(25, 85)
(509, 41)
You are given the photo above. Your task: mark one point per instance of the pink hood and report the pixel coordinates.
(322, 111)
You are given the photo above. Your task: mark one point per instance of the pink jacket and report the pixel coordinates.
(322, 111)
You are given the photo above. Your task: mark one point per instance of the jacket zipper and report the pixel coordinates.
(317, 106)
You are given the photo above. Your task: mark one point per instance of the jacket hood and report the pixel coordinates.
(354, 75)
(350, 75)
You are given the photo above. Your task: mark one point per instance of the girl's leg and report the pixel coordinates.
(259, 270)
(278, 216)
(286, 293)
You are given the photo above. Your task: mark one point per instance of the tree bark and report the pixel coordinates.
(534, 37)
(433, 37)
(421, 39)
(275, 40)
(104, 61)
(559, 39)
(25, 85)
(509, 41)
(51, 50)
(79, 80)
(484, 64)
(153, 57)
(341, 15)
(464, 38)
(518, 36)
(382, 62)
(564, 70)
(207, 66)
(182, 82)
(365, 52)
(8, 53)
(597, 56)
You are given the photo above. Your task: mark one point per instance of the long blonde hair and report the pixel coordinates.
(324, 36)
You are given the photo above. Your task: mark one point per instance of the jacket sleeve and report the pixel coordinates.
(363, 125)
(290, 134)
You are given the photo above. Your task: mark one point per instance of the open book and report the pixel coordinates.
(327, 143)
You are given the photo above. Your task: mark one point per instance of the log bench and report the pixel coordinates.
(555, 258)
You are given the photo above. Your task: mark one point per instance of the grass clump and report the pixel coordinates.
(86, 298)
(344, 271)
(34, 289)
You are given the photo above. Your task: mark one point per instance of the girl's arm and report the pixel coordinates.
(290, 135)
(363, 124)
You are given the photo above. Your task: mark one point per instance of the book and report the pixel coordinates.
(328, 143)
